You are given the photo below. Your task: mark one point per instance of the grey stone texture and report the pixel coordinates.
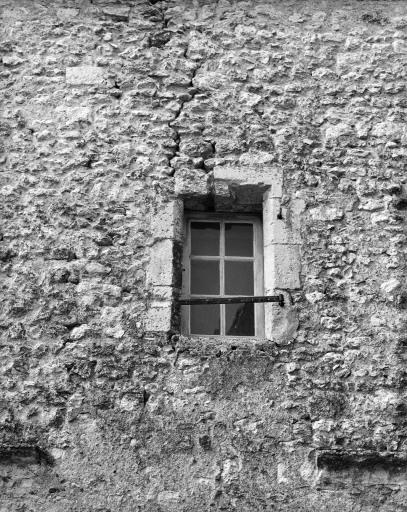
(113, 112)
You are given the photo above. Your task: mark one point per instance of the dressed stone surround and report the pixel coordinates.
(227, 186)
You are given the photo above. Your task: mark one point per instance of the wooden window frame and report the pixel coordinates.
(258, 268)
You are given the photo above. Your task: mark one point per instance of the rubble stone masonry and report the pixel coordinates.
(115, 115)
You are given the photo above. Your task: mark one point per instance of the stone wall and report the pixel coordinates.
(107, 108)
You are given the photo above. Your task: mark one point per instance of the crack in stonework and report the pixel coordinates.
(162, 35)
(193, 93)
(161, 13)
(177, 138)
(63, 345)
(160, 40)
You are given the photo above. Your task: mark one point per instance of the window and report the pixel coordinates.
(222, 262)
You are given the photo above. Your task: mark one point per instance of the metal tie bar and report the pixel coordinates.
(233, 300)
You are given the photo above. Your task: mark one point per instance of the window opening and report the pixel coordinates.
(223, 276)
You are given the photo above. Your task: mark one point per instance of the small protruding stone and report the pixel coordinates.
(79, 332)
(390, 286)
(118, 13)
(314, 297)
(12, 60)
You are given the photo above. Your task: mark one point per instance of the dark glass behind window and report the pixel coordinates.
(205, 238)
(239, 319)
(205, 319)
(239, 278)
(205, 278)
(238, 239)
(236, 266)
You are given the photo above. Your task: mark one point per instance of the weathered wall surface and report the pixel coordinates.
(104, 106)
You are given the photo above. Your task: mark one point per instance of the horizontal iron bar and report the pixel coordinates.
(233, 300)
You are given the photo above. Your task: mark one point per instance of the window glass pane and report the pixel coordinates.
(238, 239)
(239, 319)
(239, 278)
(205, 277)
(205, 319)
(205, 238)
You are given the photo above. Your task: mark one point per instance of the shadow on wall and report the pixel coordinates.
(24, 454)
(340, 469)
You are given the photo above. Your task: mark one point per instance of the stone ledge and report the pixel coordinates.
(223, 345)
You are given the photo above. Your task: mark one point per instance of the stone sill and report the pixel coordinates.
(224, 344)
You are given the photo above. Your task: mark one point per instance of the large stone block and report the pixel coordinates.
(326, 213)
(85, 75)
(191, 182)
(335, 131)
(282, 267)
(117, 12)
(168, 221)
(281, 224)
(158, 317)
(160, 267)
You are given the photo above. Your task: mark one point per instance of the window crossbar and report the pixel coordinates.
(233, 300)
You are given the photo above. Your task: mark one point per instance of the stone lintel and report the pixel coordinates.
(264, 179)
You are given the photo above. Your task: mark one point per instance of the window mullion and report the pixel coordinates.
(188, 270)
(222, 276)
(258, 278)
